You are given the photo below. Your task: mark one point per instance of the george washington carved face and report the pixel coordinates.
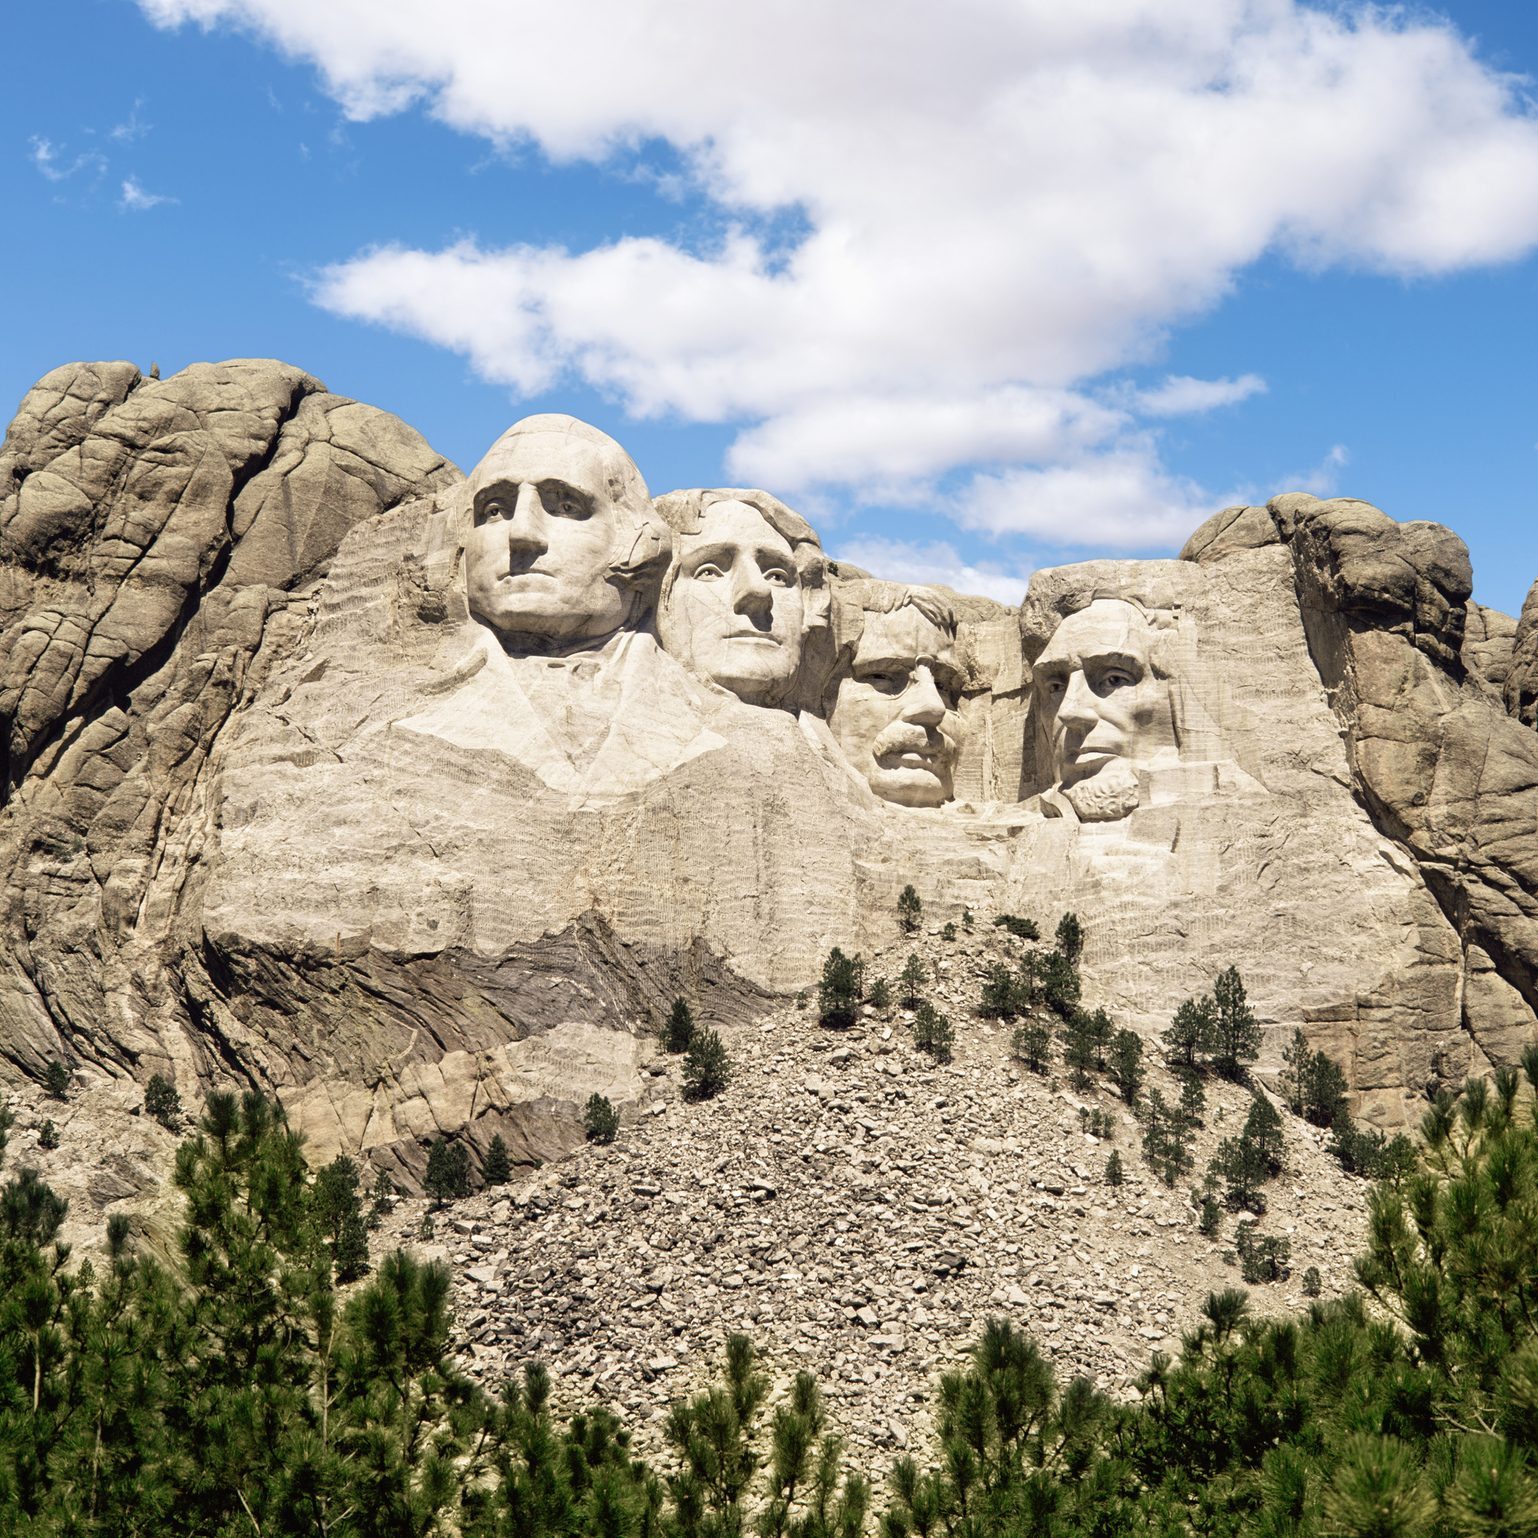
(562, 536)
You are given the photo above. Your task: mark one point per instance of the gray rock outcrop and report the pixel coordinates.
(290, 799)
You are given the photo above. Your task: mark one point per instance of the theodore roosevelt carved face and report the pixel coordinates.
(742, 592)
(563, 539)
(894, 709)
(1107, 703)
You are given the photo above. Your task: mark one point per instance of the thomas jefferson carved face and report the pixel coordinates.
(558, 507)
(894, 715)
(1107, 707)
(732, 609)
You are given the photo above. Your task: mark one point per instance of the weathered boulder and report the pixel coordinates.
(1521, 683)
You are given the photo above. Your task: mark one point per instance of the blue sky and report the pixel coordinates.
(978, 288)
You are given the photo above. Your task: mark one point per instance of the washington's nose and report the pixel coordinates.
(923, 704)
(751, 593)
(529, 527)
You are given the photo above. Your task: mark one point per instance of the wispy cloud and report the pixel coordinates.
(55, 162)
(134, 127)
(134, 199)
(1181, 395)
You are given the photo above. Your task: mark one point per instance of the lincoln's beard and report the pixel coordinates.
(1106, 796)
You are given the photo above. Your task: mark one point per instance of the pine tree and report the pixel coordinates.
(910, 910)
(1263, 1128)
(706, 1067)
(1021, 929)
(600, 1121)
(448, 1172)
(163, 1103)
(1079, 1035)
(350, 1257)
(933, 1033)
(838, 994)
(1070, 938)
(1190, 1032)
(1003, 997)
(497, 1169)
(1235, 1034)
(880, 995)
(56, 1077)
(1114, 1174)
(1127, 1064)
(912, 977)
(1059, 979)
(678, 1032)
(1032, 1045)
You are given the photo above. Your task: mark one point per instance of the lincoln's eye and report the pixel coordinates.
(777, 576)
(1054, 687)
(1115, 678)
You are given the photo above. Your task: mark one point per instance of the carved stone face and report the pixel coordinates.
(547, 526)
(732, 610)
(1107, 709)
(895, 714)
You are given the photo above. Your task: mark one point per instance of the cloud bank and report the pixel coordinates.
(1003, 202)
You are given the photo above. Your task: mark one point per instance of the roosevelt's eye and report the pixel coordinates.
(886, 680)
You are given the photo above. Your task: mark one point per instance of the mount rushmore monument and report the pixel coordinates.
(415, 797)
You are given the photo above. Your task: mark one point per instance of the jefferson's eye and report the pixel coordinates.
(707, 571)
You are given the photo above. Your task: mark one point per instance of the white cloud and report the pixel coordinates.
(934, 562)
(134, 127)
(1004, 202)
(134, 199)
(1120, 500)
(54, 162)
(1181, 395)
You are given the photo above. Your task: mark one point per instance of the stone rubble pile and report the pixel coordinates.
(860, 1211)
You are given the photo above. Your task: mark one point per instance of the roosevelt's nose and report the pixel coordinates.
(751, 593)
(529, 527)
(1078, 703)
(923, 704)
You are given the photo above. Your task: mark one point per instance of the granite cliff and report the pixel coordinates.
(323, 774)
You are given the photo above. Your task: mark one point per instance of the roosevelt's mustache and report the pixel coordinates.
(906, 737)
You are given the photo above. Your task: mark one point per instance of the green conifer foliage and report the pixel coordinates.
(1235, 1032)
(600, 1121)
(448, 1171)
(56, 1078)
(707, 1069)
(910, 910)
(497, 1169)
(678, 1032)
(838, 994)
(933, 1033)
(1070, 938)
(1190, 1032)
(163, 1103)
(1032, 1045)
(912, 978)
(1127, 1064)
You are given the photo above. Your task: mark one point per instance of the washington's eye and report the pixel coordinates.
(570, 507)
(488, 510)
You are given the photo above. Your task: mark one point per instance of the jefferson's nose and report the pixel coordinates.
(923, 704)
(751, 593)
(529, 527)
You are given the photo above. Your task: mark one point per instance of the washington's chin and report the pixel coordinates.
(547, 615)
